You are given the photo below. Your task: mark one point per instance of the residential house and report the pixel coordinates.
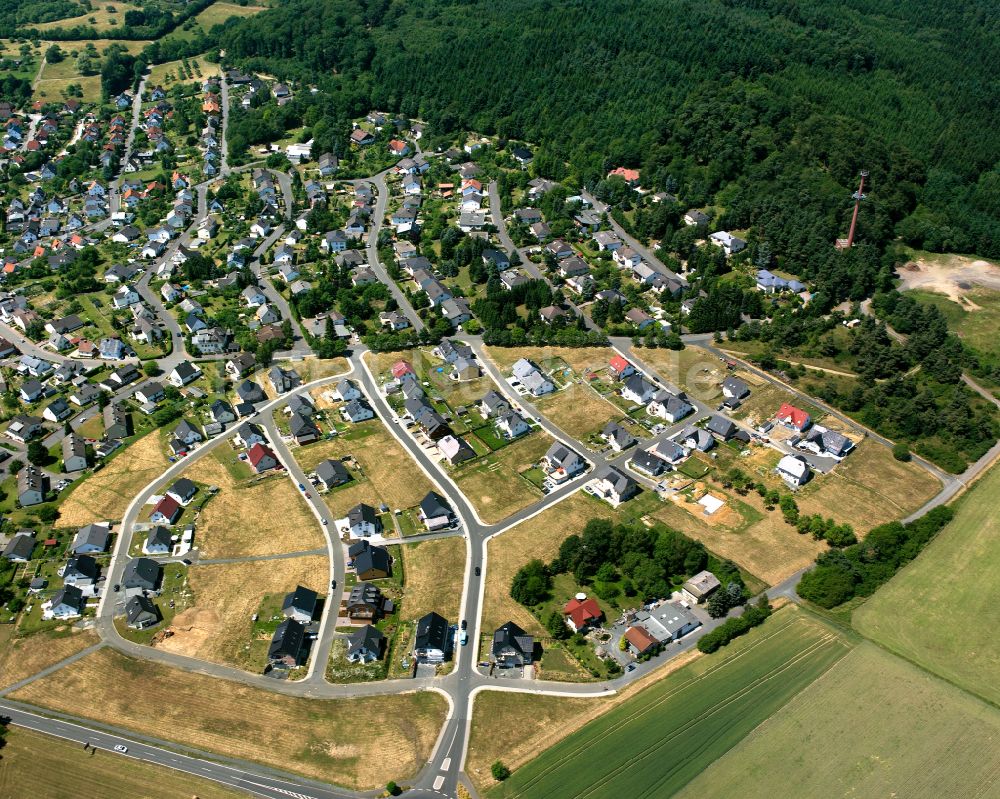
(32, 486)
(432, 639)
(794, 470)
(620, 368)
(362, 521)
(729, 243)
(357, 411)
(182, 490)
(370, 562)
(300, 604)
(303, 429)
(20, 547)
(648, 463)
(166, 511)
(285, 649)
(81, 571)
(346, 390)
(67, 603)
(582, 614)
(638, 389)
(435, 512)
(23, 428)
(493, 404)
(617, 437)
(699, 587)
(186, 432)
(366, 602)
(511, 424)
(185, 372)
(512, 646)
(74, 453)
(159, 541)
(332, 473)
(365, 645)
(721, 428)
(142, 573)
(248, 434)
(141, 613)
(826, 442)
(562, 463)
(455, 450)
(91, 539)
(261, 458)
(614, 487)
(793, 417)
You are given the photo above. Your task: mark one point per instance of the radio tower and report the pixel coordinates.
(859, 195)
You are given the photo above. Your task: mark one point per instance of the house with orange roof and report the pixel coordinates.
(630, 176)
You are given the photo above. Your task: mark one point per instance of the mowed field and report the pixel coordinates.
(494, 484)
(266, 517)
(538, 537)
(941, 611)
(217, 627)
(44, 767)
(653, 744)
(434, 574)
(580, 359)
(22, 657)
(392, 475)
(314, 737)
(107, 493)
(873, 725)
(109, 15)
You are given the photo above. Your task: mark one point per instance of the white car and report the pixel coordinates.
(121, 748)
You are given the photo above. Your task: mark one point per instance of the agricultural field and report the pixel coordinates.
(251, 517)
(578, 410)
(218, 626)
(171, 72)
(37, 765)
(873, 725)
(318, 737)
(661, 738)
(939, 611)
(23, 656)
(382, 461)
(538, 537)
(434, 572)
(107, 493)
(495, 485)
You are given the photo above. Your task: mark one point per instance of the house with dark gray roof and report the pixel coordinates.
(142, 573)
(435, 512)
(300, 604)
(512, 646)
(362, 521)
(366, 602)
(721, 428)
(617, 436)
(365, 645)
(614, 487)
(370, 562)
(159, 541)
(648, 463)
(332, 473)
(432, 639)
(140, 612)
(91, 539)
(20, 547)
(285, 649)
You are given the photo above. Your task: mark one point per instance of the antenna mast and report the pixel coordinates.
(859, 195)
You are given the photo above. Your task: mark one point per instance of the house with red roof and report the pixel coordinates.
(582, 613)
(793, 417)
(401, 368)
(630, 176)
(261, 458)
(640, 641)
(399, 147)
(165, 511)
(621, 368)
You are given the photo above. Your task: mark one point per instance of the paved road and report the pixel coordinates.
(378, 219)
(251, 778)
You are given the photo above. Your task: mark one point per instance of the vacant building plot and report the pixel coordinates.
(434, 577)
(38, 766)
(874, 725)
(538, 537)
(107, 493)
(23, 656)
(691, 369)
(759, 541)
(496, 485)
(314, 737)
(653, 744)
(578, 410)
(869, 487)
(252, 517)
(393, 475)
(581, 360)
(218, 626)
(940, 611)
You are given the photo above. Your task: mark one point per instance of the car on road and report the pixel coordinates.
(333, 583)
(465, 624)
(301, 487)
(630, 667)
(464, 638)
(478, 571)
(117, 588)
(324, 521)
(121, 748)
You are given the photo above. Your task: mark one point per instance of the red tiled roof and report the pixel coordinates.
(168, 506)
(401, 368)
(257, 452)
(619, 364)
(793, 416)
(582, 612)
(630, 175)
(640, 638)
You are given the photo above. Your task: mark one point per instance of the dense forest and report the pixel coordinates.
(764, 107)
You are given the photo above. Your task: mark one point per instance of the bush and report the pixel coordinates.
(499, 771)
(901, 452)
(392, 789)
(734, 628)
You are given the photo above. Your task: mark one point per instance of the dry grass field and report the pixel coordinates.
(309, 369)
(578, 410)
(159, 73)
(217, 627)
(391, 473)
(494, 484)
(265, 517)
(767, 548)
(434, 573)
(38, 766)
(316, 738)
(538, 537)
(22, 657)
(110, 15)
(220, 12)
(874, 725)
(107, 493)
(580, 359)
(868, 488)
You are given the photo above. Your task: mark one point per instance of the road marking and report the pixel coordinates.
(438, 782)
(446, 764)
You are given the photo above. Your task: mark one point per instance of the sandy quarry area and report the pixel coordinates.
(953, 276)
